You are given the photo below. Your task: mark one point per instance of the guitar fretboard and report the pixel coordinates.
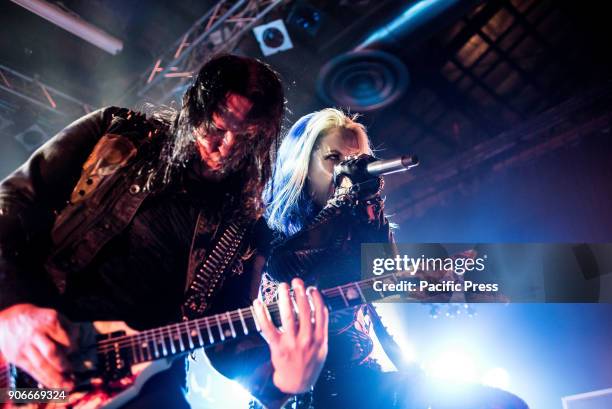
(190, 335)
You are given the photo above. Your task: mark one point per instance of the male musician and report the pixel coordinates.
(115, 216)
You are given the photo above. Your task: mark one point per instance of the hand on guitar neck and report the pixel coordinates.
(104, 364)
(298, 351)
(38, 340)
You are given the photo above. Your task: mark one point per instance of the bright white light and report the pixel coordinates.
(392, 321)
(455, 364)
(408, 352)
(209, 389)
(215, 391)
(497, 378)
(240, 394)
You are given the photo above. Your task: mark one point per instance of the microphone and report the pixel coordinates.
(383, 167)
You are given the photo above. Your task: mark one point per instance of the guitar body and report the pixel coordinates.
(112, 361)
(92, 392)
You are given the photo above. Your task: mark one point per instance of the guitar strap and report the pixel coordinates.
(210, 273)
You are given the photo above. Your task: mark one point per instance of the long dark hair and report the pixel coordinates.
(254, 80)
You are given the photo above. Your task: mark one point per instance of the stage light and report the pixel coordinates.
(273, 37)
(209, 389)
(240, 394)
(497, 378)
(393, 323)
(455, 364)
(469, 310)
(434, 311)
(305, 17)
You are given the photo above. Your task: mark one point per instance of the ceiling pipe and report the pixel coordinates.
(73, 24)
(419, 18)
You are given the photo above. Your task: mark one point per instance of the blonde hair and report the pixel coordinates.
(287, 203)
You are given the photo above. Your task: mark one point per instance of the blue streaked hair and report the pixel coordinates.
(288, 205)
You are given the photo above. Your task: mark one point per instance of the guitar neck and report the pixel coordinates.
(186, 336)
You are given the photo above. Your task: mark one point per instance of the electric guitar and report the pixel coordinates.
(114, 361)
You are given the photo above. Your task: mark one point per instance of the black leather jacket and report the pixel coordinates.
(81, 190)
(75, 194)
(31, 199)
(327, 253)
(71, 197)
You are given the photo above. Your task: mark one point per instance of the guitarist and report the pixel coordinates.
(113, 218)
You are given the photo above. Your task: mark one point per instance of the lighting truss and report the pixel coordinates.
(41, 95)
(219, 30)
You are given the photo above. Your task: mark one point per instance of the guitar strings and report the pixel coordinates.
(161, 333)
(246, 313)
